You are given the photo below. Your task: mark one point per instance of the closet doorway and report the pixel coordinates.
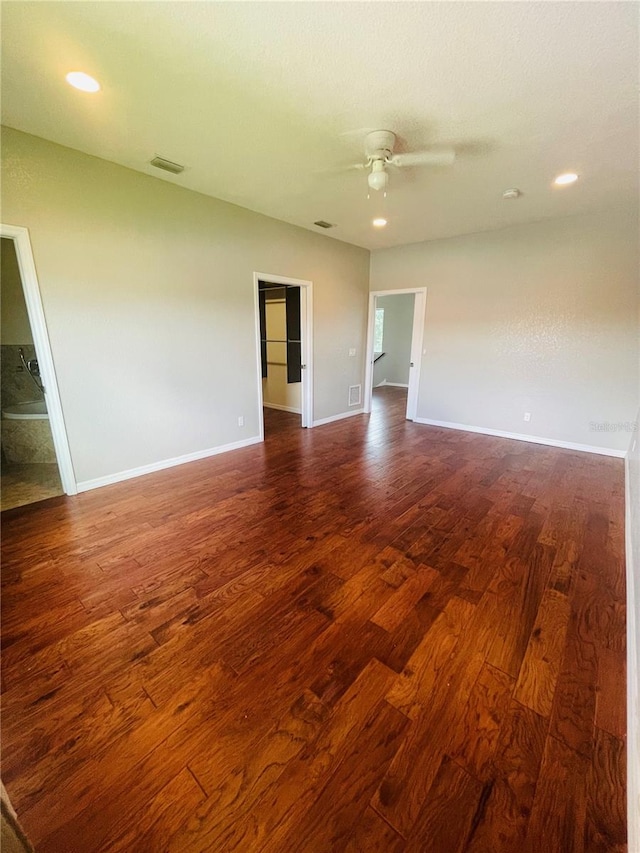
(284, 337)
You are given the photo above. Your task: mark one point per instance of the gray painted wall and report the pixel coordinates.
(148, 296)
(539, 318)
(15, 326)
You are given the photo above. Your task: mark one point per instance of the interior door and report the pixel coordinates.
(416, 355)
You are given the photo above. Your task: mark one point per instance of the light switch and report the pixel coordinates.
(352, 351)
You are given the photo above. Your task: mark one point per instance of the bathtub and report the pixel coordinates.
(26, 434)
(34, 411)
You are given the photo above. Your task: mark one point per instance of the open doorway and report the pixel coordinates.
(284, 332)
(394, 345)
(36, 463)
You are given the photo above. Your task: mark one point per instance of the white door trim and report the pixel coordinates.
(35, 312)
(419, 313)
(306, 337)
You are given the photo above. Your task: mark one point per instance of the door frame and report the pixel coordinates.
(417, 337)
(306, 342)
(40, 334)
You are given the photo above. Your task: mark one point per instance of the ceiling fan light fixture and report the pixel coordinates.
(378, 177)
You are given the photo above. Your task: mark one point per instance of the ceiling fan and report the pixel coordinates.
(379, 145)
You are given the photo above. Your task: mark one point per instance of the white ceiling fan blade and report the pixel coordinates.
(434, 157)
(341, 170)
(351, 167)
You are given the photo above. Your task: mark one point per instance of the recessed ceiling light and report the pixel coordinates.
(82, 81)
(380, 222)
(566, 178)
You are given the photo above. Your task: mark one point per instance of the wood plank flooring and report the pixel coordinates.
(370, 636)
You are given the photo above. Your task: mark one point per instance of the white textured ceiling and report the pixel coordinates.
(262, 101)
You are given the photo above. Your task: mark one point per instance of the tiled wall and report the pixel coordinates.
(27, 441)
(15, 383)
(23, 441)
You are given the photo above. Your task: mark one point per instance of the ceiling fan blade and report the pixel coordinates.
(341, 170)
(350, 168)
(434, 157)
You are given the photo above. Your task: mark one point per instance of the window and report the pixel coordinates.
(378, 330)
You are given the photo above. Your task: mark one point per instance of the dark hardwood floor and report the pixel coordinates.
(370, 636)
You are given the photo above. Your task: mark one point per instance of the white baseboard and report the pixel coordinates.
(392, 384)
(533, 439)
(110, 479)
(339, 417)
(282, 408)
(633, 684)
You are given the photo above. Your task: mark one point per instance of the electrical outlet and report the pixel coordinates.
(241, 420)
(527, 416)
(352, 352)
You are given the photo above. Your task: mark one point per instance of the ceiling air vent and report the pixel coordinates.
(322, 224)
(167, 165)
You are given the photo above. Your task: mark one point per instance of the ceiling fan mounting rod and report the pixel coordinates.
(379, 156)
(380, 144)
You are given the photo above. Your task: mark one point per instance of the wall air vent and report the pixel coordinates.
(166, 165)
(322, 224)
(355, 395)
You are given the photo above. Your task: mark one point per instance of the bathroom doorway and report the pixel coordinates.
(30, 466)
